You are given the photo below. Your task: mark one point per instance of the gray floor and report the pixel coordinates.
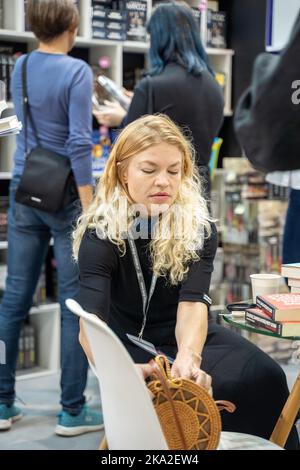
(35, 431)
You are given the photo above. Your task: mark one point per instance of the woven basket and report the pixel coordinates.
(189, 417)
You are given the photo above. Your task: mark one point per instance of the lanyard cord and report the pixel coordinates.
(139, 273)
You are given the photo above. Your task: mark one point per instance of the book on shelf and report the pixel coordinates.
(291, 270)
(216, 29)
(280, 307)
(136, 20)
(10, 125)
(27, 347)
(257, 317)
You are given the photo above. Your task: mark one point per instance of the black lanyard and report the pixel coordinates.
(146, 299)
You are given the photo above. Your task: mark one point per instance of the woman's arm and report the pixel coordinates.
(191, 328)
(192, 315)
(191, 331)
(79, 142)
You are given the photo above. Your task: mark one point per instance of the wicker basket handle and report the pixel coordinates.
(162, 375)
(164, 366)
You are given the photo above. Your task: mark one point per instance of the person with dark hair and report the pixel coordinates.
(59, 95)
(180, 83)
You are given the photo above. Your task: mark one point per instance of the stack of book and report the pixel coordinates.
(292, 272)
(10, 125)
(119, 19)
(277, 313)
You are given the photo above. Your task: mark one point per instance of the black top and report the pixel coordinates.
(195, 103)
(109, 287)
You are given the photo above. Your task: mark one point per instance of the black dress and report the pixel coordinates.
(240, 371)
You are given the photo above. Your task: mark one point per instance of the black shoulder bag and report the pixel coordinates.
(47, 182)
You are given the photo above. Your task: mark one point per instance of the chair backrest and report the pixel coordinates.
(130, 419)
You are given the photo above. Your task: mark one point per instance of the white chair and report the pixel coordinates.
(130, 419)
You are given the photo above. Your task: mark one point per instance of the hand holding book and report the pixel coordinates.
(111, 114)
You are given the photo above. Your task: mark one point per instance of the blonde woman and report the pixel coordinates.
(145, 249)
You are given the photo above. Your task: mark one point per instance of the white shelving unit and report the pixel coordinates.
(46, 318)
(46, 322)
(221, 59)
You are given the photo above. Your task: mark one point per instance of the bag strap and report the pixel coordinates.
(26, 108)
(225, 405)
(150, 96)
(162, 377)
(164, 366)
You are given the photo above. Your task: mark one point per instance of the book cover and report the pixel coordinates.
(291, 270)
(107, 89)
(256, 317)
(280, 307)
(136, 20)
(216, 29)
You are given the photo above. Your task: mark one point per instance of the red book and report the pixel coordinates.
(257, 317)
(280, 307)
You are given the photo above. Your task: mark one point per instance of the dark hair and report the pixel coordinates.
(48, 19)
(175, 37)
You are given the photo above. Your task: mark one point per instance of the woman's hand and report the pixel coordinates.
(187, 366)
(145, 370)
(112, 117)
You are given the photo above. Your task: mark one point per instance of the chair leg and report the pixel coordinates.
(287, 417)
(103, 444)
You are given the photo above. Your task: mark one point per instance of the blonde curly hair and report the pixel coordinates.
(171, 252)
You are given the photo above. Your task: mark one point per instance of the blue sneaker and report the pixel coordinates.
(8, 415)
(86, 421)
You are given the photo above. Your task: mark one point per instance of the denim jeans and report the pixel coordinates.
(29, 233)
(291, 238)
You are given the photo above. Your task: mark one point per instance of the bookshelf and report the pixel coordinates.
(46, 321)
(46, 318)
(14, 31)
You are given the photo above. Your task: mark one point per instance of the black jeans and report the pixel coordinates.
(244, 375)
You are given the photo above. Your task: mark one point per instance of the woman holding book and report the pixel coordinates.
(180, 83)
(145, 250)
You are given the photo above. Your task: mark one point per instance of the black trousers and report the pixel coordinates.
(244, 375)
